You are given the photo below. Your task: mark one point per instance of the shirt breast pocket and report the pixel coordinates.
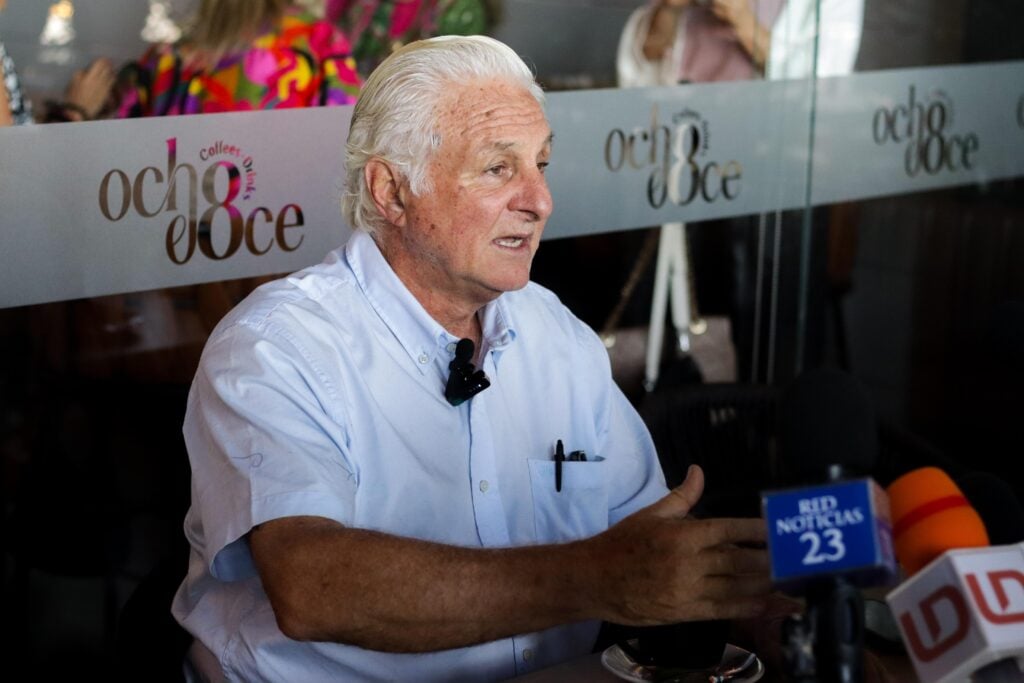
(579, 510)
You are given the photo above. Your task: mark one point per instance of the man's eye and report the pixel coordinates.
(498, 169)
(543, 166)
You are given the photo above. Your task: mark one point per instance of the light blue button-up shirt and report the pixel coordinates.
(323, 394)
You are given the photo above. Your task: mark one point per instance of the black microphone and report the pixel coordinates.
(827, 429)
(1005, 336)
(464, 380)
(829, 529)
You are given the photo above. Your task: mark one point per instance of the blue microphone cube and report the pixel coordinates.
(837, 529)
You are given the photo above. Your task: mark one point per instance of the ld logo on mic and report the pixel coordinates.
(963, 611)
(836, 528)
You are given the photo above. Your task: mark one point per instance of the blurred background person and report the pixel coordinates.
(241, 55)
(86, 96)
(680, 41)
(15, 109)
(675, 41)
(667, 42)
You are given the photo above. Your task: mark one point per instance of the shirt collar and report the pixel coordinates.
(422, 337)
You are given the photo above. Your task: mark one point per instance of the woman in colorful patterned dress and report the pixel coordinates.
(243, 55)
(377, 27)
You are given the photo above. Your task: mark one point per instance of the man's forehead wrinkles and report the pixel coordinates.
(503, 144)
(500, 117)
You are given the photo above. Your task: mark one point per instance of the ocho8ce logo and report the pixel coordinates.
(922, 125)
(221, 229)
(676, 159)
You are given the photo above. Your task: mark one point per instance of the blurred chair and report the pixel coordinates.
(66, 538)
(731, 431)
(97, 502)
(727, 429)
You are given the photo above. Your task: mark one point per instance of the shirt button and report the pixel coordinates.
(527, 655)
(450, 347)
(423, 359)
(484, 486)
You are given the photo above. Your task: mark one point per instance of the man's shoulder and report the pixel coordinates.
(537, 306)
(315, 295)
(537, 300)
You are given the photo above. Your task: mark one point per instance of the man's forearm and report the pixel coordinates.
(382, 592)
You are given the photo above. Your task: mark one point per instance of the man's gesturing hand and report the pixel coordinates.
(661, 566)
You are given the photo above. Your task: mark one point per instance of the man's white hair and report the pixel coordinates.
(395, 116)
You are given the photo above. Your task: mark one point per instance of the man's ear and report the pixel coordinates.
(384, 184)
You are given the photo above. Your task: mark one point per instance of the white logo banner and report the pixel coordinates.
(120, 206)
(89, 209)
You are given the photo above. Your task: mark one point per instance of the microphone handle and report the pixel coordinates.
(1003, 671)
(836, 613)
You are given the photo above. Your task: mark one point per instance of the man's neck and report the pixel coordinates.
(456, 315)
(464, 324)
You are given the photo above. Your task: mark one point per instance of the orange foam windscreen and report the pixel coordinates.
(930, 515)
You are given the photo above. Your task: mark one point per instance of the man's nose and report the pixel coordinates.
(534, 198)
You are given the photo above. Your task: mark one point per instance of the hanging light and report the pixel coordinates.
(59, 29)
(159, 27)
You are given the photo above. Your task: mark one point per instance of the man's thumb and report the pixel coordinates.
(682, 498)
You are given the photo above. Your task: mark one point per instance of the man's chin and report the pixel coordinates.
(511, 286)
(497, 287)
(508, 279)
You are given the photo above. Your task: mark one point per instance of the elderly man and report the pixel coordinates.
(352, 520)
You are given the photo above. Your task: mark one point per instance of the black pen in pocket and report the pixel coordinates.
(559, 459)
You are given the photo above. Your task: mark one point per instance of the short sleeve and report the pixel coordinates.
(265, 441)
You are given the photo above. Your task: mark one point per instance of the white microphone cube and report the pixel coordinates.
(963, 611)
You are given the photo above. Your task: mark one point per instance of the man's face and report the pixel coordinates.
(473, 235)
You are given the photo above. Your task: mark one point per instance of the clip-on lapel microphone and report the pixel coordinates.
(464, 381)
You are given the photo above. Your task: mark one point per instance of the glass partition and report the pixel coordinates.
(834, 184)
(920, 290)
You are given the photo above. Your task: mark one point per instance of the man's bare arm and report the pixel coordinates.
(332, 583)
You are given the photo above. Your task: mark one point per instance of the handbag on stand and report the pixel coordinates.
(702, 348)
